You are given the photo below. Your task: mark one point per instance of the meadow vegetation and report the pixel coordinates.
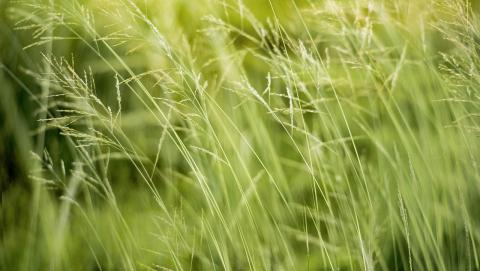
(239, 135)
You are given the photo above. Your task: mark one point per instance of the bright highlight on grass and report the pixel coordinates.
(239, 135)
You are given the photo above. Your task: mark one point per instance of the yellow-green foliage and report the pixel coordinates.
(239, 135)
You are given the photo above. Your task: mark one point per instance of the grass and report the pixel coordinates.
(239, 135)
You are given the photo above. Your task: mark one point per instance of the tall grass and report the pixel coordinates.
(242, 135)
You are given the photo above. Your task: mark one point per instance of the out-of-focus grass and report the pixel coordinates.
(235, 135)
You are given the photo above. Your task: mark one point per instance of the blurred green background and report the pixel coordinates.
(239, 135)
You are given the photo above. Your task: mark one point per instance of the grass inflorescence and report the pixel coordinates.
(239, 135)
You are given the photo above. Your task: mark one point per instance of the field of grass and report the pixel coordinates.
(240, 135)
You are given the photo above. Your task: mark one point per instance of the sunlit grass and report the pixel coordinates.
(241, 135)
